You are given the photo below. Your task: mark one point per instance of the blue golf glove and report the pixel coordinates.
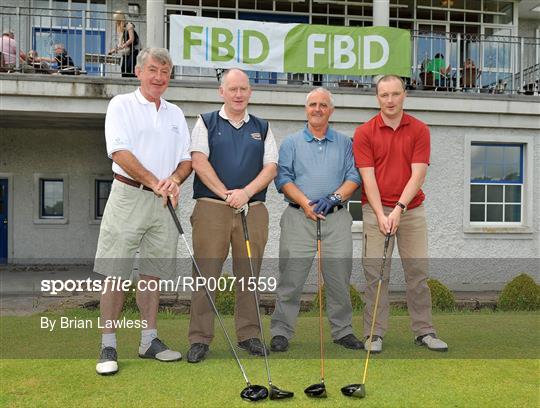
(325, 204)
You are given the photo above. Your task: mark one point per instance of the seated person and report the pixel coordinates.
(35, 61)
(470, 73)
(9, 49)
(437, 67)
(61, 58)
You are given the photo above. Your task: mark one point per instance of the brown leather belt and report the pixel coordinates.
(130, 182)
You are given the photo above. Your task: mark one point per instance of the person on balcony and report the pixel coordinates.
(437, 66)
(9, 49)
(128, 44)
(60, 60)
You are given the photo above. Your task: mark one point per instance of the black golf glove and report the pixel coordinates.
(325, 204)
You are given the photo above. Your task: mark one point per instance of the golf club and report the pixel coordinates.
(275, 392)
(359, 390)
(251, 392)
(319, 390)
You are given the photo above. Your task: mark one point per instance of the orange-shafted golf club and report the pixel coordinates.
(319, 390)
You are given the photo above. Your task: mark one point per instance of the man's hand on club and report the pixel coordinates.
(325, 204)
(237, 198)
(384, 225)
(310, 213)
(167, 189)
(393, 220)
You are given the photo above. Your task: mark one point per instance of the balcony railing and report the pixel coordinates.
(471, 63)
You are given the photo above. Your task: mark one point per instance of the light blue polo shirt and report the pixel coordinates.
(316, 167)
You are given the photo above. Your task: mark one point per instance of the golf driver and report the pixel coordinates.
(251, 392)
(275, 392)
(359, 390)
(319, 390)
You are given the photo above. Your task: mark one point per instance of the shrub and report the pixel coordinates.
(441, 297)
(356, 299)
(225, 300)
(521, 293)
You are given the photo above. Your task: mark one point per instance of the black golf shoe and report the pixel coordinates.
(279, 343)
(254, 347)
(350, 341)
(197, 352)
(108, 362)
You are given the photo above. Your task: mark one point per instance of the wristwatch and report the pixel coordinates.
(338, 196)
(402, 206)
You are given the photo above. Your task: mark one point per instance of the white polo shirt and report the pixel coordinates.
(159, 139)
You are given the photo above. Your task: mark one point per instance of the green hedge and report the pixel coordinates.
(521, 293)
(442, 298)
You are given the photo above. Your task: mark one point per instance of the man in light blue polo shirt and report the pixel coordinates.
(316, 174)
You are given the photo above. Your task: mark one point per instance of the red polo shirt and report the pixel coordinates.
(391, 152)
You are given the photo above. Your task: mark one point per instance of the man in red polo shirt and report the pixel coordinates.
(391, 151)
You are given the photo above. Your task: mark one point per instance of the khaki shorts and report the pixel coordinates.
(135, 219)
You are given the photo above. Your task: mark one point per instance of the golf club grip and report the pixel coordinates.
(386, 242)
(244, 226)
(174, 216)
(318, 229)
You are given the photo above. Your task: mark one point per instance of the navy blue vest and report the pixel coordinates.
(236, 155)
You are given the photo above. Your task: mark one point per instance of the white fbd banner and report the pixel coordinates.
(276, 47)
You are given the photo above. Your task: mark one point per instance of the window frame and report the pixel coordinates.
(38, 194)
(94, 179)
(527, 203)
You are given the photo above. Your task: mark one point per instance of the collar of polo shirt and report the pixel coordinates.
(142, 100)
(308, 136)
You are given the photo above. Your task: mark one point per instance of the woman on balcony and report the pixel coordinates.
(128, 44)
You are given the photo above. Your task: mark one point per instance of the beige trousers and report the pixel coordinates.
(411, 240)
(216, 228)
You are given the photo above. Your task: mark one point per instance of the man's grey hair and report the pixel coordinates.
(324, 91)
(386, 78)
(59, 45)
(161, 55)
(225, 74)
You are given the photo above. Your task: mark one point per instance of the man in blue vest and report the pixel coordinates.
(234, 156)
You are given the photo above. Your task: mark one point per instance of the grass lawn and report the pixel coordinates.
(493, 361)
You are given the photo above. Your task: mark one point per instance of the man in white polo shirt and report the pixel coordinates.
(148, 141)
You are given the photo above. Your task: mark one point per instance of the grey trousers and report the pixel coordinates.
(297, 249)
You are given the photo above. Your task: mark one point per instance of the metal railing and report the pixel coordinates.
(88, 37)
(496, 64)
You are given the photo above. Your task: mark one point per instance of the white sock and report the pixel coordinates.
(108, 340)
(146, 338)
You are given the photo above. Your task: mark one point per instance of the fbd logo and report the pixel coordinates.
(222, 45)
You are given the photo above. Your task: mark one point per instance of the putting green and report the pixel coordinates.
(493, 361)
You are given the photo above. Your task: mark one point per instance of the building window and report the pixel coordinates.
(102, 191)
(51, 203)
(496, 187)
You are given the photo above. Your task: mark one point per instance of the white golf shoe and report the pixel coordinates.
(375, 346)
(432, 342)
(108, 362)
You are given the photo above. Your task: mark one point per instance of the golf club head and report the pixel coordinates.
(276, 393)
(316, 391)
(254, 393)
(354, 390)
